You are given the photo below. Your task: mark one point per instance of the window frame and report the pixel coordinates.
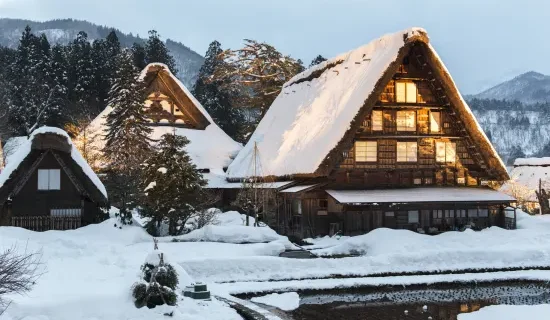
(448, 145)
(399, 120)
(432, 121)
(407, 85)
(53, 180)
(407, 150)
(377, 124)
(409, 212)
(366, 155)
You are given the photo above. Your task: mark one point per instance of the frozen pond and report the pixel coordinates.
(436, 302)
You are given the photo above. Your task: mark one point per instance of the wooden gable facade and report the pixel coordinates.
(167, 103)
(50, 191)
(414, 131)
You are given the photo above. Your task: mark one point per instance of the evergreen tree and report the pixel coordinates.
(515, 153)
(81, 77)
(317, 60)
(156, 51)
(216, 100)
(139, 55)
(127, 140)
(173, 185)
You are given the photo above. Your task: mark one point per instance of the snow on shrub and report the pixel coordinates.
(159, 282)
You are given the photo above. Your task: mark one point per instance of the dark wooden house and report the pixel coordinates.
(46, 185)
(378, 137)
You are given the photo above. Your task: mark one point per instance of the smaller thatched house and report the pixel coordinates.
(46, 184)
(527, 176)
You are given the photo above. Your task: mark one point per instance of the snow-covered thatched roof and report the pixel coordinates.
(209, 148)
(316, 109)
(24, 148)
(526, 176)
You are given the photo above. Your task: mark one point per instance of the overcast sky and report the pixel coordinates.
(482, 42)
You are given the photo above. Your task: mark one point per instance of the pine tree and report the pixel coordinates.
(317, 60)
(127, 140)
(173, 185)
(81, 77)
(216, 100)
(156, 51)
(139, 55)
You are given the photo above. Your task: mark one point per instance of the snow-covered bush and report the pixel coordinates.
(159, 282)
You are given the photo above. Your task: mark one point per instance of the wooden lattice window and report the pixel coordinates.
(377, 120)
(445, 152)
(406, 120)
(365, 151)
(386, 152)
(388, 95)
(407, 151)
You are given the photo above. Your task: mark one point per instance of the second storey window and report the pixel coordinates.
(405, 91)
(445, 151)
(406, 151)
(377, 120)
(365, 151)
(406, 120)
(49, 179)
(435, 122)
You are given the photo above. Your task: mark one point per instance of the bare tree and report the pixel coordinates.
(18, 273)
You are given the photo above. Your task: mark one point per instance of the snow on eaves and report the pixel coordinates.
(25, 148)
(309, 118)
(544, 161)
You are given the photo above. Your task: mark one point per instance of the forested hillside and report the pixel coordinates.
(65, 31)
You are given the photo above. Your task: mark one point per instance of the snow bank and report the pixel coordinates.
(324, 242)
(287, 301)
(509, 312)
(24, 149)
(231, 234)
(397, 251)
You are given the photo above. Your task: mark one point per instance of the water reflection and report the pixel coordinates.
(442, 302)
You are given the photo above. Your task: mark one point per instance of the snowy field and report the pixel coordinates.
(89, 271)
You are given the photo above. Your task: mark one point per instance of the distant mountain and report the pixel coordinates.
(63, 31)
(531, 87)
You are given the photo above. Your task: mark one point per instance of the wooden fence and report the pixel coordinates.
(45, 223)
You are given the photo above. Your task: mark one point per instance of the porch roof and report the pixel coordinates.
(415, 195)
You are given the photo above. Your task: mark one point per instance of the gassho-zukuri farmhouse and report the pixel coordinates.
(376, 137)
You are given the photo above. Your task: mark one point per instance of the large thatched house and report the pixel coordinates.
(377, 137)
(46, 184)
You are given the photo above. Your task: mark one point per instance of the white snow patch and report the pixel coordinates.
(287, 301)
(509, 312)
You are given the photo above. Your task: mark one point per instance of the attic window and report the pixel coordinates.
(377, 120)
(49, 179)
(445, 152)
(406, 120)
(405, 91)
(365, 151)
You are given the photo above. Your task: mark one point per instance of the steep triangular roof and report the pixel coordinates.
(323, 107)
(36, 141)
(210, 148)
(157, 76)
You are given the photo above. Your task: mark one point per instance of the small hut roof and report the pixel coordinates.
(58, 139)
(322, 107)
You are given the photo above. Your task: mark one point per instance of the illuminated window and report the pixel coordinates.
(445, 152)
(435, 121)
(406, 121)
(405, 91)
(365, 151)
(377, 120)
(407, 151)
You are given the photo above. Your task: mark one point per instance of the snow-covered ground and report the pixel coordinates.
(287, 301)
(89, 271)
(507, 312)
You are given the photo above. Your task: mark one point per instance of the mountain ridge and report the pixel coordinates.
(530, 87)
(63, 31)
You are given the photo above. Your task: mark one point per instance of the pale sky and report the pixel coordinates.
(482, 42)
